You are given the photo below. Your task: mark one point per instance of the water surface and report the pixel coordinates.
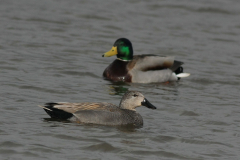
(51, 51)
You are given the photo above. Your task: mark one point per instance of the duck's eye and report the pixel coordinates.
(135, 95)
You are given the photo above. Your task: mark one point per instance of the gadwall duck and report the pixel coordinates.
(101, 113)
(140, 68)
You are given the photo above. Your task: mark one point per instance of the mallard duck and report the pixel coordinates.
(140, 68)
(101, 113)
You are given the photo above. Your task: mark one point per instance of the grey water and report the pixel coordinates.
(50, 51)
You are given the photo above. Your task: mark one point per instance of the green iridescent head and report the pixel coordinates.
(122, 48)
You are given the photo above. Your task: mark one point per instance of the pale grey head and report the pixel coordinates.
(133, 99)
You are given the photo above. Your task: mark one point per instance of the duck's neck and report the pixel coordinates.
(124, 105)
(124, 60)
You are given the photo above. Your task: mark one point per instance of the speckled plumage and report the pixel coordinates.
(101, 113)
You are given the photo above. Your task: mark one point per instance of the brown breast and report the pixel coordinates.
(118, 71)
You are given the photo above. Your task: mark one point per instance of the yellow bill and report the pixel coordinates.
(112, 52)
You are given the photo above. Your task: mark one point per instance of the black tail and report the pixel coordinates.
(176, 67)
(56, 113)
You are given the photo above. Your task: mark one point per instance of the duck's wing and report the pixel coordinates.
(153, 62)
(74, 107)
(152, 68)
(65, 110)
